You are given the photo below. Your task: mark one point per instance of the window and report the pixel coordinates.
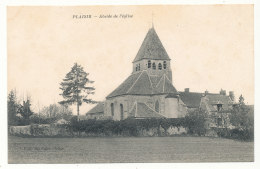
(139, 66)
(219, 122)
(136, 68)
(164, 65)
(121, 111)
(157, 106)
(154, 66)
(219, 107)
(160, 66)
(149, 64)
(112, 109)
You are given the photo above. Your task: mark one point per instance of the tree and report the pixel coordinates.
(25, 111)
(56, 111)
(74, 89)
(12, 107)
(240, 115)
(196, 121)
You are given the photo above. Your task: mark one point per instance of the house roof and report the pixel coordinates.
(213, 99)
(191, 99)
(142, 84)
(151, 48)
(99, 108)
(141, 110)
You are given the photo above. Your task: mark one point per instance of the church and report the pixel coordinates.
(148, 92)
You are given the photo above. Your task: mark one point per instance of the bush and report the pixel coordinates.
(127, 127)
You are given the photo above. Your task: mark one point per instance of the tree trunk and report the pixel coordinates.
(78, 110)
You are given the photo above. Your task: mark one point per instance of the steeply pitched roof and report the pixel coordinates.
(142, 84)
(191, 99)
(99, 108)
(141, 110)
(151, 48)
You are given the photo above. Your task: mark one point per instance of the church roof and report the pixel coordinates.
(141, 84)
(141, 110)
(99, 108)
(151, 48)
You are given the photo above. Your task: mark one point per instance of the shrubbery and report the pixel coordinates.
(128, 127)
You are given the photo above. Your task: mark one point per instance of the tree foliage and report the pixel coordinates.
(240, 116)
(74, 87)
(196, 121)
(25, 111)
(12, 108)
(56, 112)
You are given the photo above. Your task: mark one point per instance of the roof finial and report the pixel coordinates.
(152, 19)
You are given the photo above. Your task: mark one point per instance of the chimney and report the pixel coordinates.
(206, 92)
(222, 92)
(187, 90)
(232, 95)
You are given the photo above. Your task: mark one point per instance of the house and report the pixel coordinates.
(148, 92)
(217, 106)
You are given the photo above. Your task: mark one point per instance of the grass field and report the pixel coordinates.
(127, 150)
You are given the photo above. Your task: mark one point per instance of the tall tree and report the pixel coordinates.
(25, 111)
(240, 115)
(74, 89)
(12, 107)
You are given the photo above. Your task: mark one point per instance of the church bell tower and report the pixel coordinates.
(152, 57)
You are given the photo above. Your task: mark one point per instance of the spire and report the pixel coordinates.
(151, 48)
(152, 20)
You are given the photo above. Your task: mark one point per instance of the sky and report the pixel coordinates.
(210, 46)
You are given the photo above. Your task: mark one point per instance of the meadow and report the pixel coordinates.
(128, 150)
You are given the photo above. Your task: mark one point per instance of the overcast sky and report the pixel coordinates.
(210, 46)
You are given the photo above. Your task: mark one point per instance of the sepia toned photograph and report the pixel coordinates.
(130, 84)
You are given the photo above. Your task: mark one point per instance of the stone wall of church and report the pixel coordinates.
(174, 108)
(148, 100)
(144, 66)
(168, 107)
(116, 103)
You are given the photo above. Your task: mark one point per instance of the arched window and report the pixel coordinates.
(164, 65)
(112, 109)
(157, 106)
(160, 66)
(149, 64)
(121, 112)
(154, 66)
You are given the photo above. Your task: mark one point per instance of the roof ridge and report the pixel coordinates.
(135, 82)
(164, 83)
(150, 82)
(151, 109)
(159, 82)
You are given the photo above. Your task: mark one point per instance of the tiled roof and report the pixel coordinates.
(151, 48)
(99, 108)
(214, 99)
(142, 84)
(141, 110)
(191, 99)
